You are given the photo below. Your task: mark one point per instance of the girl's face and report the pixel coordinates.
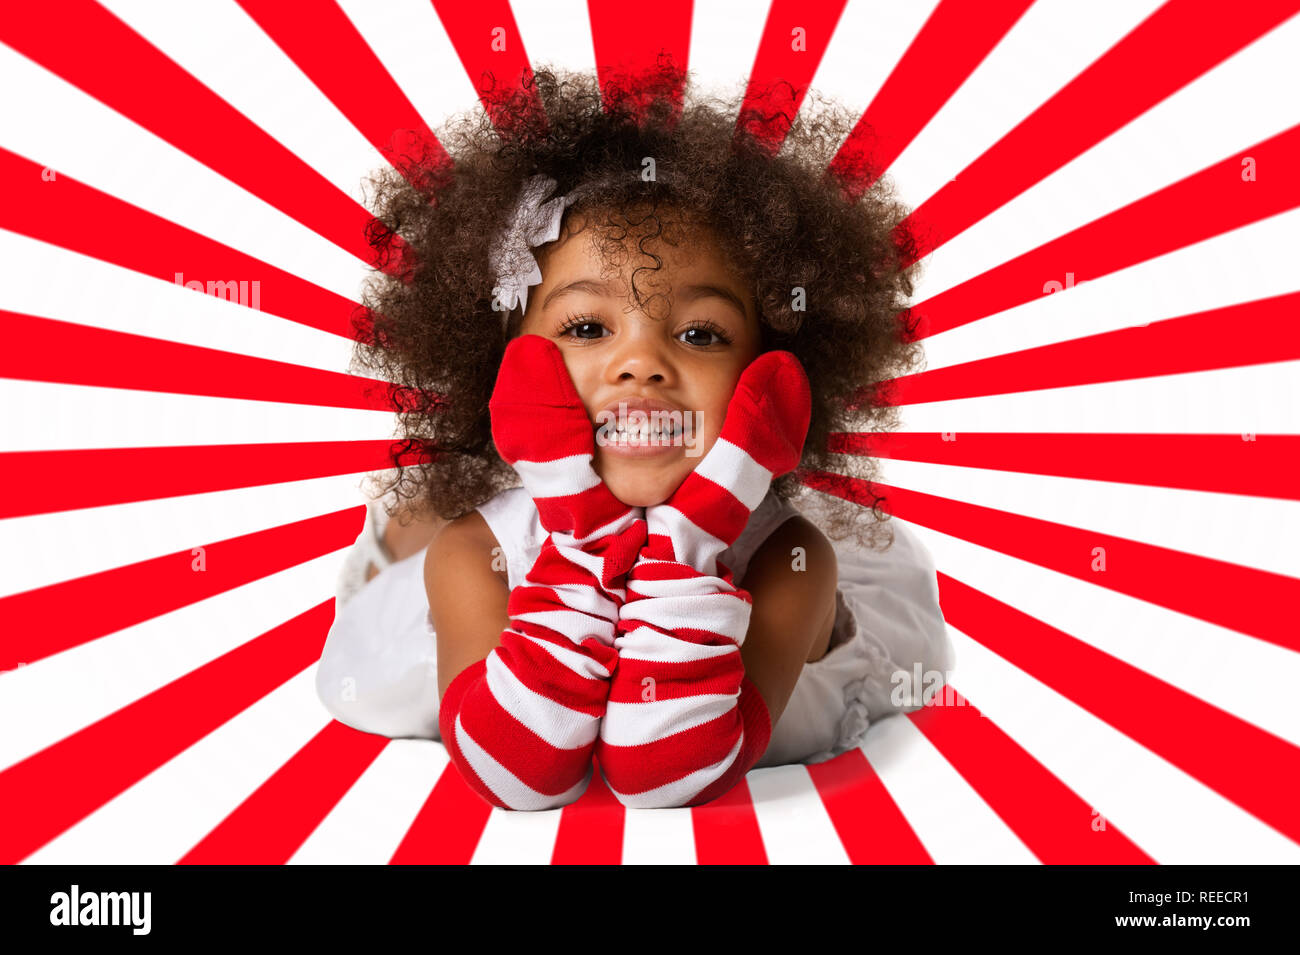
(685, 364)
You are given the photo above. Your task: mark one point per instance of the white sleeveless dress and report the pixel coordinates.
(378, 670)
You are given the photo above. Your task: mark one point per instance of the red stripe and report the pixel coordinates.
(658, 569)
(618, 552)
(951, 44)
(756, 734)
(1055, 823)
(54, 789)
(711, 507)
(658, 547)
(784, 66)
(666, 569)
(323, 43)
(499, 71)
(690, 634)
(612, 555)
(673, 680)
(1201, 206)
(661, 569)
(870, 825)
(650, 764)
(1261, 465)
(697, 635)
(539, 671)
(1179, 581)
(78, 217)
(591, 829)
(271, 825)
(127, 475)
(1173, 346)
(39, 624)
(449, 826)
(89, 47)
(582, 513)
(515, 745)
(726, 830)
(550, 569)
(102, 358)
(468, 680)
(1242, 762)
(629, 48)
(1163, 54)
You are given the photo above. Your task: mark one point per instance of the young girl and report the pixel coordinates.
(651, 599)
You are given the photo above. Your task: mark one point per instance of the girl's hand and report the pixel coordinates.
(762, 438)
(541, 429)
(535, 402)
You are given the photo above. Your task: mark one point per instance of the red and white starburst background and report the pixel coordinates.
(1103, 453)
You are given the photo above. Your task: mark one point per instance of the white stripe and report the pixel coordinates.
(724, 614)
(653, 587)
(559, 477)
(646, 643)
(593, 564)
(505, 785)
(577, 661)
(53, 120)
(681, 791)
(691, 544)
(729, 465)
(565, 540)
(562, 727)
(579, 596)
(573, 625)
(634, 724)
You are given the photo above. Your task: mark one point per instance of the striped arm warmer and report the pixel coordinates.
(683, 723)
(521, 725)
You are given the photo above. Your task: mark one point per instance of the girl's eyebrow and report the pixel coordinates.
(593, 286)
(688, 293)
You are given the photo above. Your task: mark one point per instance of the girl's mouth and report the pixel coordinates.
(639, 436)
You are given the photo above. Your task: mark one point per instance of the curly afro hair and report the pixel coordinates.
(828, 271)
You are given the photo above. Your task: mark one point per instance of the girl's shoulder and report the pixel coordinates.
(469, 537)
(515, 532)
(512, 519)
(772, 512)
(506, 505)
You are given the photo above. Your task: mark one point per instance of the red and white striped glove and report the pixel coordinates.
(521, 724)
(684, 724)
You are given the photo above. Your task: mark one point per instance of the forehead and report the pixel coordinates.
(613, 243)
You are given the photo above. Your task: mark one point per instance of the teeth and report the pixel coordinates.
(644, 431)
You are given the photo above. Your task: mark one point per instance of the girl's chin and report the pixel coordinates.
(640, 490)
(644, 481)
(639, 497)
(643, 501)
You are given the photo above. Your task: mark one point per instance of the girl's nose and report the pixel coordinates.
(642, 354)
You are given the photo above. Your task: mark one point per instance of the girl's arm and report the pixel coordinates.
(467, 598)
(684, 721)
(520, 717)
(794, 609)
(688, 717)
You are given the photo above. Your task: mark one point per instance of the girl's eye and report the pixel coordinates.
(582, 321)
(700, 331)
(707, 328)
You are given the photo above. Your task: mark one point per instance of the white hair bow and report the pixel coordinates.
(536, 221)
